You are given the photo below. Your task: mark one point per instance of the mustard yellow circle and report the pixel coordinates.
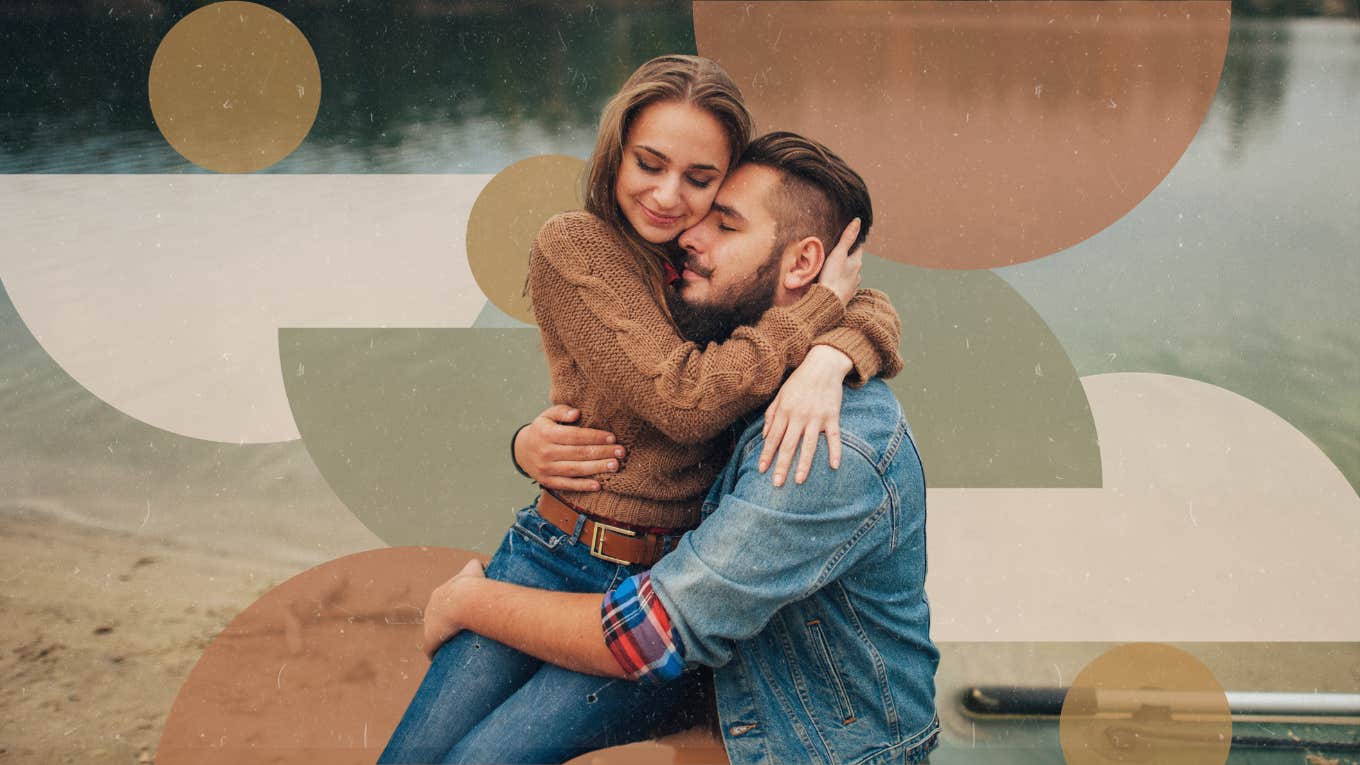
(506, 217)
(1145, 702)
(234, 87)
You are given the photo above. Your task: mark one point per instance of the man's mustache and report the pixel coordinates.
(690, 265)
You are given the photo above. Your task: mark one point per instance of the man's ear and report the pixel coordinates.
(808, 256)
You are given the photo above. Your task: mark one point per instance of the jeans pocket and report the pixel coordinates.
(534, 528)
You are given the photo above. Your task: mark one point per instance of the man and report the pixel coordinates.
(808, 600)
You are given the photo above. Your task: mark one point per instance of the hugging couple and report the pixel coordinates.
(708, 274)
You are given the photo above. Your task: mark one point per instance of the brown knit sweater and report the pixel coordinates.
(614, 354)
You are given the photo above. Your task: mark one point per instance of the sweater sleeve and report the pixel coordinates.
(870, 334)
(590, 290)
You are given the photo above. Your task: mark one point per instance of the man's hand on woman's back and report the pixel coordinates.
(562, 456)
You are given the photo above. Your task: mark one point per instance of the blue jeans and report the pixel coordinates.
(484, 702)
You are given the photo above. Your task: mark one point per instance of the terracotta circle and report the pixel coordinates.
(319, 669)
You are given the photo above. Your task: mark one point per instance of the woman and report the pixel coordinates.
(598, 281)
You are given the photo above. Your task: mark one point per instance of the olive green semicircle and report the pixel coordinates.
(411, 427)
(992, 398)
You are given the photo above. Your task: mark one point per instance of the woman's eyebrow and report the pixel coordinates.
(665, 158)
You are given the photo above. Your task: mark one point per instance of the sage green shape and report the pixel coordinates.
(411, 427)
(492, 317)
(992, 398)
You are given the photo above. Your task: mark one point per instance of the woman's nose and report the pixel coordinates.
(667, 194)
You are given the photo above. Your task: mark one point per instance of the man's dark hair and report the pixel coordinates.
(819, 194)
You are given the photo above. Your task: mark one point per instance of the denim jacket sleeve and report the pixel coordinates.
(765, 547)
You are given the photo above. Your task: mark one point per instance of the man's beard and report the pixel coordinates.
(741, 305)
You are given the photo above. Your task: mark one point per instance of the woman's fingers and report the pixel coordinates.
(833, 444)
(774, 433)
(847, 239)
(841, 270)
(806, 452)
(787, 447)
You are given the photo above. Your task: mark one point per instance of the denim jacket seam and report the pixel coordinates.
(744, 671)
(923, 733)
(880, 666)
(799, 680)
(880, 468)
(782, 698)
(906, 745)
(862, 531)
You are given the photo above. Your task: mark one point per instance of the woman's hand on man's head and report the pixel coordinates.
(841, 270)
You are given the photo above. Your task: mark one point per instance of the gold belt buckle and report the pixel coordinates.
(597, 542)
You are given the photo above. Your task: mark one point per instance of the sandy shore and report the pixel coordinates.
(103, 627)
(100, 630)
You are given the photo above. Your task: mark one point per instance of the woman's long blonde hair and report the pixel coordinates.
(686, 79)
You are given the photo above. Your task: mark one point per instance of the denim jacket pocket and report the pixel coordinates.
(822, 649)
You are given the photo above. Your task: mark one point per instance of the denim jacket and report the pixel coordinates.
(809, 600)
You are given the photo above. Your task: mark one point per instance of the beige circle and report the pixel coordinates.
(234, 87)
(507, 216)
(1145, 702)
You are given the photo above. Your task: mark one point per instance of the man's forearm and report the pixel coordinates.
(558, 627)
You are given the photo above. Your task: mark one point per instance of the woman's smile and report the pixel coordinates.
(674, 159)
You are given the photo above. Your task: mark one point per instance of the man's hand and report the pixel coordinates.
(562, 456)
(561, 628)
(443, 617)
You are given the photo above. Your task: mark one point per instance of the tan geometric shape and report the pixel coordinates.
(234, 87)
(989, 133)
(507, 216)
(1217, 521)
(319, 669)
(1145, 702)
(164, 295)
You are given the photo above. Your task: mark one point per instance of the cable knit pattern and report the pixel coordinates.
(614, 354)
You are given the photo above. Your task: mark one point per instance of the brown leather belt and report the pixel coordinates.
(615, 544)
